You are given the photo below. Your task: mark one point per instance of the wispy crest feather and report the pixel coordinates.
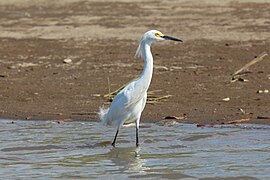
(138, 53)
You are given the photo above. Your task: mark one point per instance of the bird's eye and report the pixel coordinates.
(157, 35)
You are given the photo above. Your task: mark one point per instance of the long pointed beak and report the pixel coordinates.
(171, 38)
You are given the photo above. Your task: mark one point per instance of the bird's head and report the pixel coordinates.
(154, 35)
(151, 36)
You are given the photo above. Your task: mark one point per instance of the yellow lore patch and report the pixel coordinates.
(159, 35)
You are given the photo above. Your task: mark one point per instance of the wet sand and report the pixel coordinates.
(101, 37)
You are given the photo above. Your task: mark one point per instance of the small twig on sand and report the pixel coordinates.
(237, 121)
(112, 94)
(109, 87)
(83, 113)
(155, 99)
(255, 60)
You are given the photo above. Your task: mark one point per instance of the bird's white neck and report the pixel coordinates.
(146, 76)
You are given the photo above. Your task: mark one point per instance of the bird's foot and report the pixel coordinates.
(113, 144)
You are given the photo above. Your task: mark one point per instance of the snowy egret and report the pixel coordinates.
(128, 104)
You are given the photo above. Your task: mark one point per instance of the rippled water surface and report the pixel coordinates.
(82, 150)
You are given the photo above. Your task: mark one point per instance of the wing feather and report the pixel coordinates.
(124, 103)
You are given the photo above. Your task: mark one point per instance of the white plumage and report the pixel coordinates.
(128, 104)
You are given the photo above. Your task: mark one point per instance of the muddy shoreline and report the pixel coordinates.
(100, 39)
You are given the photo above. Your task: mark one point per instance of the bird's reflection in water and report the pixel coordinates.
(122, 159)
(128, 159)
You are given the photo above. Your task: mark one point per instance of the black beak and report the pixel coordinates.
(171, 38)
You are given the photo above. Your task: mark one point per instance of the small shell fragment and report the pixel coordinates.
(96, 95)
(226, 99)
(263, 91)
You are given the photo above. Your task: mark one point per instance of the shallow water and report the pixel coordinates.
(82, 150)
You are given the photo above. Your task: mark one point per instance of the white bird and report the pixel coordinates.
(128, 104)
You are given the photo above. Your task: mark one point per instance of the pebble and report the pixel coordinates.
(67, 60)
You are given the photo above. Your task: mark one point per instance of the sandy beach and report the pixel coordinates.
(59, 59)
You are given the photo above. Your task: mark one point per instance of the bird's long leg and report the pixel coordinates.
(113, 143)
(137, 137)
(137, 133)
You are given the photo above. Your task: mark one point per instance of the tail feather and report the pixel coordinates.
(103, 112)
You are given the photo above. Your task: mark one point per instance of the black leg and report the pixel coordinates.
(137, 136)
(113, 144)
